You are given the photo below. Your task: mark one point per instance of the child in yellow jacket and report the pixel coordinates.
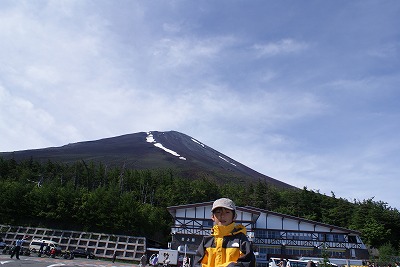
(228, 245)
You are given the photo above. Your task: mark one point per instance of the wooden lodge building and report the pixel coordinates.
(273, 234)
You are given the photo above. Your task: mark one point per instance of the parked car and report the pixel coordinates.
(83, 253)
(35, 244)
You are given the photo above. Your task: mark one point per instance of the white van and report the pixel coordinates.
(35, 244)
(277, 262)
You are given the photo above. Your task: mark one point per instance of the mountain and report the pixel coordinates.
(152, 150)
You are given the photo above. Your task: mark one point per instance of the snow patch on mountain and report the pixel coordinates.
(194, 140)
(150, 139)
(197, 142)
(227, 161)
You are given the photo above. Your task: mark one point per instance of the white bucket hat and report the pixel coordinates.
(224, 203)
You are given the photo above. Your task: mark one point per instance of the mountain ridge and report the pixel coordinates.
(152, 150)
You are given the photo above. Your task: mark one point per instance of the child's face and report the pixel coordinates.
(222, 216)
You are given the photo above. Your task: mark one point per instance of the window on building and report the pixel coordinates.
(321, 237)
(274, 234)
(335, 237)
(297, 251)
(267, 234)
(307, 236)
(337, 254)
(262, 250)
(352, 239)
(299, 236)
(291, 235)
(329, 237)
(261, 233)
(262, 253)
(338, 237)
(208, 223)
(273, 250)
(289, 251)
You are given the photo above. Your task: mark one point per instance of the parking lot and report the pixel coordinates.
(34, 261)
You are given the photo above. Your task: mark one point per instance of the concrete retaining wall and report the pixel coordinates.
(101, 245)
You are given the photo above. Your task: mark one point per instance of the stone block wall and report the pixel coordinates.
(100, 244)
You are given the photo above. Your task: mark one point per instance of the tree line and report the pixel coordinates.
(90, 196)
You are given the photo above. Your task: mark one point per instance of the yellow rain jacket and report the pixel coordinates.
(227, 246)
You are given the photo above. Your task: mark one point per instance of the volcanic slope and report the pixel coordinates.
(173, 150)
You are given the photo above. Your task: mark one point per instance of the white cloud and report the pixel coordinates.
(42, 53)
(83, 70)
(183, 52)
(24, 125)
(171, 27)
(285, 46)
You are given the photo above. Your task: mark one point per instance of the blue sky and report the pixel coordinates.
(304, 91)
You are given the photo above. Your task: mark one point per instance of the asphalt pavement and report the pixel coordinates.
(34, 261)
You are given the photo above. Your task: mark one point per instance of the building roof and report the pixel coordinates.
(256, 212)
(172, 209)
(305, 220)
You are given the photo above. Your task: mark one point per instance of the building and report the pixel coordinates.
(273, 234)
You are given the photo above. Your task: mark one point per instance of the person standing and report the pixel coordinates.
(114, 256)
(17, 248)
(228, 245)
(143, 261)
(41, 249)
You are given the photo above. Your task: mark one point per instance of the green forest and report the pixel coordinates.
(94, 197)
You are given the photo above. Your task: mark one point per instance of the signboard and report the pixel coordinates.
(168, 256)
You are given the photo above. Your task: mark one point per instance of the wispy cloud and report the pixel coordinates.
(389, 50)
(282, 47)
(183, 52)
(255, 87)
